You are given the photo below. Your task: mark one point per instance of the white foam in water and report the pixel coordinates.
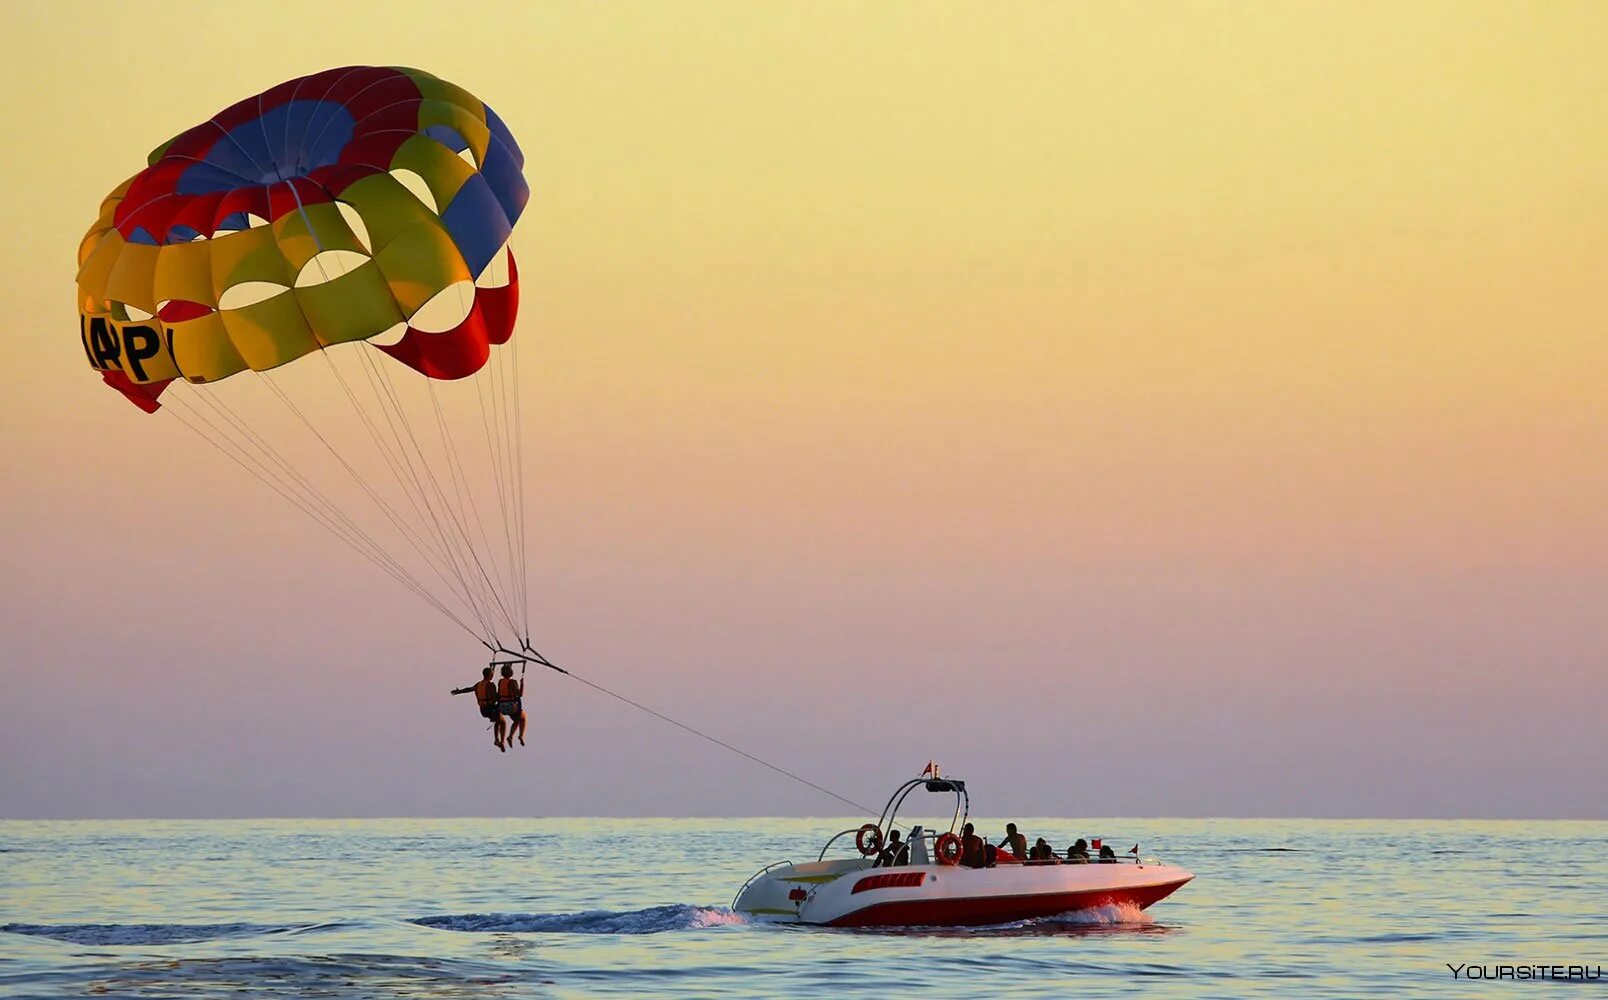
(718, 916)
(653, 920)
(1111, 913)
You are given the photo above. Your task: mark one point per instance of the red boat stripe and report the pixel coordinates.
(975, 910)
(897, 880)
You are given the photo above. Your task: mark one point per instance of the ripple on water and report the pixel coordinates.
(653, 920)
(138, 934)
(525, 908)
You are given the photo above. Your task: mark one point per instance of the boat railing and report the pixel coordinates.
(754, 878)
(834, 839)
(1061, 860)
(930, 836)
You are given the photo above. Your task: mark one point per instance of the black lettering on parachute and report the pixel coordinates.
(140, 343)
(83, 336)
(104, 352)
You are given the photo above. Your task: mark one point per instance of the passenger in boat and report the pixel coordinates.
(1043, 852)
(1078, 853)
(511, 703)
(972, 854)
(485, 692)
(1107, 855)
(895, 855)
(1014, 842)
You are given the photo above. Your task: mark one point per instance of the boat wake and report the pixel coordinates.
(142, 934)
(653, 920)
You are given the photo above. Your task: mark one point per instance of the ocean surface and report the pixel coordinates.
(499, 908)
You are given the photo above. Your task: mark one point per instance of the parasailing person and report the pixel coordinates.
(485, 692)
(511, 703)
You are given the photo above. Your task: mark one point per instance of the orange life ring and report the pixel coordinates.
(948, 849)
(868, 839)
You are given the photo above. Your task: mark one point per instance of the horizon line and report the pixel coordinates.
(742, 816)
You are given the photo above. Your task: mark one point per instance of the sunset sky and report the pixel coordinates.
(1142, 408)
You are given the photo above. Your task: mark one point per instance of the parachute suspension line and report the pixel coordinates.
(465, 546)
(220, 439)
(288, 474)
(466, 496)
(494, 453)
(397, 460)
(494, 456)
(246, 461)
(353, 533)
(391, 407)
(394, 462)
(408, 532)
(489, 589)
(520, 509)
(510, 464)
(454, 561)
(530, 655)
(503, 472)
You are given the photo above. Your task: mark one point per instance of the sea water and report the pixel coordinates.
(493, 908)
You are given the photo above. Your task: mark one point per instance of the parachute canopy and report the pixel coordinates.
(309, 228)
(357, 204)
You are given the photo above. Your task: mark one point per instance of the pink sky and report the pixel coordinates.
(1141, 415)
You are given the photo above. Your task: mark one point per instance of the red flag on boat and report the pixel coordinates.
(1095, 843)
(1135, 851)
(930, 769)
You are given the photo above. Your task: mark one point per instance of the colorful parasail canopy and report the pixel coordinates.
(358, 208)
(358, 204)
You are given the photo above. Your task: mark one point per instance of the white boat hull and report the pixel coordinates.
(849, 893)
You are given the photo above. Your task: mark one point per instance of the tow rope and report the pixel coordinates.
(529, 655)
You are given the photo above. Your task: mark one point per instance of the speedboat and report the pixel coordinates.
(934, 888)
